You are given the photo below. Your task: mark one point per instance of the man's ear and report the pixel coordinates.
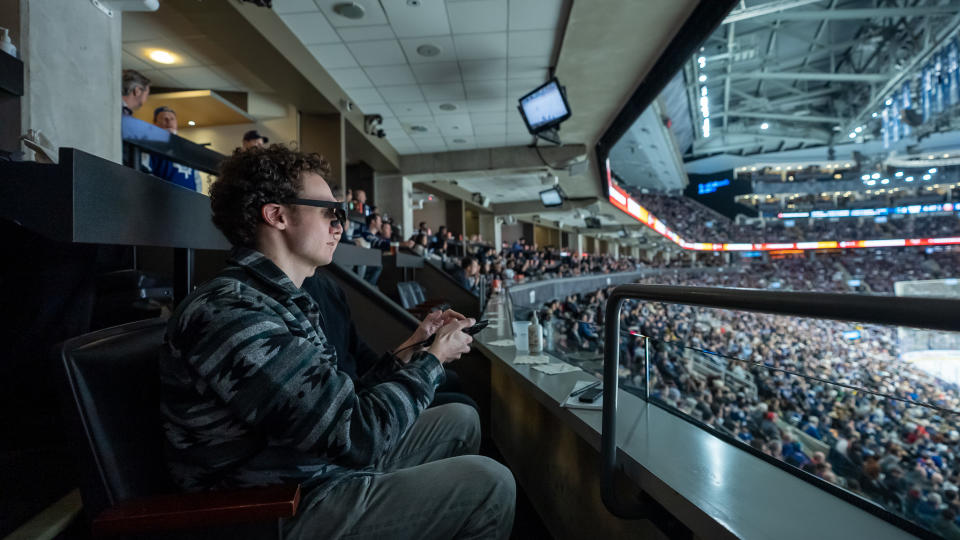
(274, 216)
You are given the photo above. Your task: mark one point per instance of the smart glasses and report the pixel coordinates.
(339, 208)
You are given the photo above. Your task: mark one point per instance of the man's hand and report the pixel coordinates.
(452, 341)
(428, 327)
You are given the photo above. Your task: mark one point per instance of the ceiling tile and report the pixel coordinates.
(439, 92)
(161, 78)
(531, 67)
(283, 7)
(201, 78)
(411, 109)
(490, 129)
(460, 143)
(428, 18)
(311, 28)
(481, 46)
(432, 131)
(377, 53)
(332, 56)
(401, 94)
(477, 16)
(365, 96)
(132, 62)
(534, 14)
(372, 15)
(460, 107)
(382, 109)
(350, 78)
(436, 72)
(490, 141)
(487, 105)
(444, 44)
(520, 87)
(390, 75)
(454, 123)
(532, 43)
(489, 117)
(432, 144)
(140, 27)
(366, 33)
(486, 89)
(480, 70)
(516, 140)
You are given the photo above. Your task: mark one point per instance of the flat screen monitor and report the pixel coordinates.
(551, 197)
(592, 222)
(544, 107)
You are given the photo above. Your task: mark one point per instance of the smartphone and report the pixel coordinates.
(591, 395)
(476, 328)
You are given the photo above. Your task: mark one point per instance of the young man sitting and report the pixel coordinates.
(252, 393)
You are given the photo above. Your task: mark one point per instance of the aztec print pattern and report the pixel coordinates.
(252, 395)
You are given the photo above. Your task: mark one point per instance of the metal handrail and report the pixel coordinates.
(926, 313)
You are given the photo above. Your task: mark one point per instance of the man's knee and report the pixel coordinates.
(498, 490)
(467, 422)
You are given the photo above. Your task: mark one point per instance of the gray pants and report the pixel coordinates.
(432, 488)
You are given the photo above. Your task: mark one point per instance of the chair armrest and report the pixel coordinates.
(195, 510)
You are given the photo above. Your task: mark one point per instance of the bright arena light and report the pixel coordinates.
(764, 126)
(899, 174)
(927, 177)
(162, 57)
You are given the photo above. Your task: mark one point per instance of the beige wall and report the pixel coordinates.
(434, 213)
(225, 139)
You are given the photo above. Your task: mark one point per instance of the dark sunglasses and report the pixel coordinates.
(339, 208)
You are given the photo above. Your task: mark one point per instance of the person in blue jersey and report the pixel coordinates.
(181, 175)
(253, 393)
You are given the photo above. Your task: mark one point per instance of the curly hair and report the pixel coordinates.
(254, 177)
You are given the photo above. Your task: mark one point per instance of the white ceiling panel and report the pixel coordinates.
(311, 28)
(373, 14)
(350, 78)
(436, 72)
(378, 53)
(382, 109)
(161, 78)
(528, 67)
(481, 70)
(332, 56)
(531, 43)
(439, 92)
(141, 50)
(366, 96)
(519, 87)
(486, 105)
(489, 117)
(201, 78)
(285, 6)
(486, 90)
(391, 75)
(401, 94)
(490, 141)
(460, 143)
(132, 62)
(490, 129)
(423, 18)
(444, 44)
(366, 33)
(481, 46)
(534, 14)
(411, 109)
(473, 16)
(518, 139)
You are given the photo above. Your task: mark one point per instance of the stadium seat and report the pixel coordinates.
(112, 401)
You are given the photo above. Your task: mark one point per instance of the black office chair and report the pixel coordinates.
(113, 409)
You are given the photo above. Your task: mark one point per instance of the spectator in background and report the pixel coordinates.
(360, 202)
(468, 275)
(166, 118)
(134, 91)
(252, 139)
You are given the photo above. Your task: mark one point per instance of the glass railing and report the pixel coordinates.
(869, 412)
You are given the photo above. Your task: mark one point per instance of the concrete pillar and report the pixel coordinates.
(579, 244)
(394, 194)
(615, 250)
(324, 134)
(490, 229)
(71, 55)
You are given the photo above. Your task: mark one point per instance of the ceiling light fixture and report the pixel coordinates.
(161, 56)
(429, 50)
(460, 141)
(418, 129)
(191, 123)
(764, 126)
(447, 107)
(350, 10)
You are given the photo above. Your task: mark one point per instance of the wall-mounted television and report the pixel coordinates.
(544, 107)
(551, 197)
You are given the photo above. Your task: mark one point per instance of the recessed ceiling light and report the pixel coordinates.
(162, 57)
(428, 50)
(447, 107)
(191, 123)
(418, 129)
(459, 141)
(350, 10)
